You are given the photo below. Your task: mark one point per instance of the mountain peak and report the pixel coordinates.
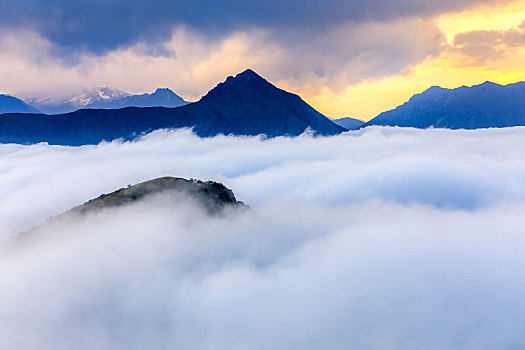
(247, 83)
(95, 97)
(489, 84)
(252, 103)
(163, 91)
(213, 196)
(349, 123)
(247, 77)
(433, 90)
(105, 92)
(248, 73)
(162, 97)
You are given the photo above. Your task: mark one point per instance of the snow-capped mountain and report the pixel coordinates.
(106, 98)
(160, 98)
(97, 96)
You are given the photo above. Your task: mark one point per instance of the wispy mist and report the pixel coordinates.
(379, 239)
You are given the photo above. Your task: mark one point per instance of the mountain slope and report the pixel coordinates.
(348, 123)
(103, 97)
(249, 105)
(480, 106)
(242, 105)
(10, 104)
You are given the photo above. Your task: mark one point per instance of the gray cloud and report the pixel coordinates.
(485, 45)
(351, 53)
(191, 65)
(378, 239)
(101, 25)
(49, 49)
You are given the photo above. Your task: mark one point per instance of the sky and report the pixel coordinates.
(352, 58)
(383, 238)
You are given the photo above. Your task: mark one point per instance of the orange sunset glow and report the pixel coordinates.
(452, 68)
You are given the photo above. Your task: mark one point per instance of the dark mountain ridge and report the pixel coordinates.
(213, 196)
(245, 104)
(480, 106)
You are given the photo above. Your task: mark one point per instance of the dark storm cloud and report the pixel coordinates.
(100, 25)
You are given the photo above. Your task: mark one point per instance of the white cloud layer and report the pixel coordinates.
(378, 239)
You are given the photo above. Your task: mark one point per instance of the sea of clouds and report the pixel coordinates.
(383, 238)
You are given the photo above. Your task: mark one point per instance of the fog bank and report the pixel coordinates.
(383, 238)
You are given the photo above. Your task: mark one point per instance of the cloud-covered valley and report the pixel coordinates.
(383, 238)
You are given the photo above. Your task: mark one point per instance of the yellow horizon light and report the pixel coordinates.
(449, 70)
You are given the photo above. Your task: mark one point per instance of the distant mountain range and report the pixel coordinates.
(349, 123)
(481, 106)
(245, 104)
(103, 97)
(10, 104)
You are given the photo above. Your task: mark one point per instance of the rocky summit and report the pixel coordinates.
(213, 196)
